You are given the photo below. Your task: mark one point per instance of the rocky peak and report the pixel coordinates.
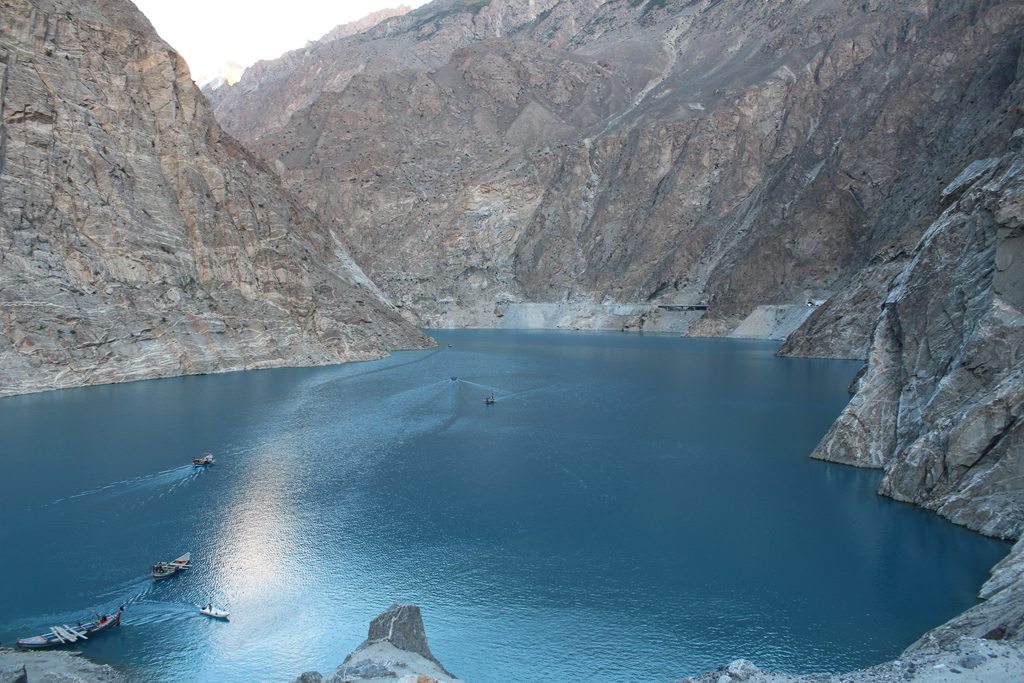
(354, 27)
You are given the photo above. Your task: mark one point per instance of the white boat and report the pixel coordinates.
(203, 461)
(215, 612)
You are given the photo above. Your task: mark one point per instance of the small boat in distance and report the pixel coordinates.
(215, 612)
(161, 570)
(489, 399)
(454, 378)
(61, 635)
(202, 461)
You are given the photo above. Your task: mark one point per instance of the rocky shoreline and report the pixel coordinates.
(396, 651)
(25, 666)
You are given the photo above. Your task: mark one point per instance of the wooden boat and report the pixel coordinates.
(215, 612)
(62, 635)
(161, 570)
(203, 461)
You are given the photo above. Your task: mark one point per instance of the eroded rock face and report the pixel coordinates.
(138, 240)
(402, 626)
(731, 153)
(940, 405)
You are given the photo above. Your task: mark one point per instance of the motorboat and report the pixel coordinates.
(489, 399)
(64, 634)
(162, 570)
(215, 612)
(203, 460)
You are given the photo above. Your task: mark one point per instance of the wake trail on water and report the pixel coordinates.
(148, 611)
(426, 356)
(501, 395)
(160, 482)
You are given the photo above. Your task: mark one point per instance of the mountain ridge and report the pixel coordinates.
(694, 158)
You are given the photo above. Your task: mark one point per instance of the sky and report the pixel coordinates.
(210, 33)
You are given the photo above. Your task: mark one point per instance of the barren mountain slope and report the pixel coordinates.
(136, 239)
(734, 152)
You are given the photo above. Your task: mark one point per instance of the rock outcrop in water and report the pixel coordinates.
(939, 407)
(138, 240)
(395, 650)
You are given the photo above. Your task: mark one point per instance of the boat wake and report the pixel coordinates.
(149, 611)
(501, 395)
(161, 483)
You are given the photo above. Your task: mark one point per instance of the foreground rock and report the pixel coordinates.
(54, 667)
(137, 240)
(966, 660)
(395, 650)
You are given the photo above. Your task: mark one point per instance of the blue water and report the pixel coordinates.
(631, 508)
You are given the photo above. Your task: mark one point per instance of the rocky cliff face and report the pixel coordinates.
(138, 240)
(737, 153)
(940, 405)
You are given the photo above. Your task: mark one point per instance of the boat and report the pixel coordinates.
(489, 399)
(64, 634)
(454, 378)
(202, 461)
(161, 570)
(215, 612)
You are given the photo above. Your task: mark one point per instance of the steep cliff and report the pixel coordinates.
(939, 407)
(737, 153)
(940, 404)
(137, 239)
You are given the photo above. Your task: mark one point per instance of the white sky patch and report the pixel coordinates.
(210, 33)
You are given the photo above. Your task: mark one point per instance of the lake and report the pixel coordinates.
(633, 508)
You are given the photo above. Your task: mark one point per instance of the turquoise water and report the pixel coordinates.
(631, 508)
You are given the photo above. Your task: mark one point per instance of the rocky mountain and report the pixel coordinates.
(354, 27)
(737, 153)
(137, 239)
